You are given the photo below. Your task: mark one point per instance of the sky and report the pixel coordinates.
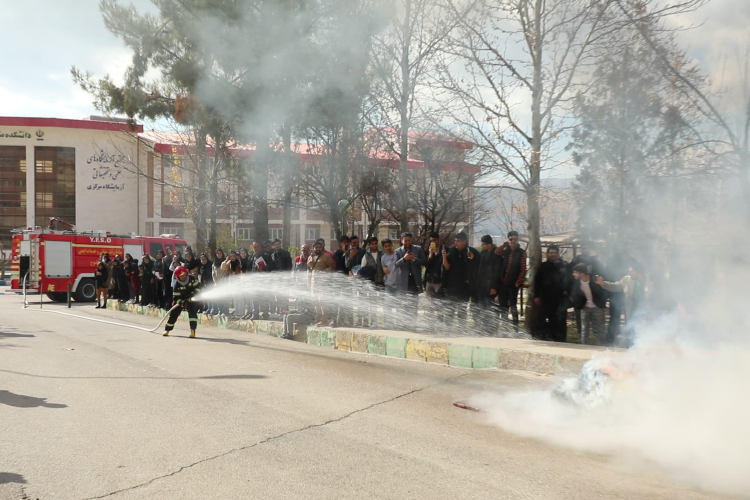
(42, 39)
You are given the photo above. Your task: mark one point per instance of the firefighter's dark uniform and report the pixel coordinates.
(181, 296)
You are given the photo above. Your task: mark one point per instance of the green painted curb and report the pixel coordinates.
(328, 339)
(395, 347)
(485, 357)
(461, 356)
(376, 344)
(313, 336)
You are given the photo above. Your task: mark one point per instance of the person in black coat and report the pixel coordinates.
(433, 274)
(148, 281)
(281, 258)
(122, 289)
(460, 265)
(487, 283)
(551, 295)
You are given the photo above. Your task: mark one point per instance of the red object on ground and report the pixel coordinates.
(464, 406)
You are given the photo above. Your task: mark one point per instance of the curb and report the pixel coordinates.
(436, 351)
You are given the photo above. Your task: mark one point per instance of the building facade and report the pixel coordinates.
(103, 174)
(77, 170)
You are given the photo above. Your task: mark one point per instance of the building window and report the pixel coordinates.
(313, 233)
(170, 229)
(245, 234)
(12, 190)
(393, 234)
(333, 233)
(43, 200)
(149, 229)
(275, 233)
(54, 176)
(44, 166)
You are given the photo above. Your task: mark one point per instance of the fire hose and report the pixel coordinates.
(150, 330)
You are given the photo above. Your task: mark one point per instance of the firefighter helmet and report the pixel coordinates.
(181, 273)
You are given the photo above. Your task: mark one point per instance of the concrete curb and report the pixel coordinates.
(442, 351)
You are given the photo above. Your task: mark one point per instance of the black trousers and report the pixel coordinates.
(551, 319)
(191, 308)
(147, 292)
(508, 296)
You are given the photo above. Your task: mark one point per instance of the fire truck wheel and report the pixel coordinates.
(57, 296)
(86, 291)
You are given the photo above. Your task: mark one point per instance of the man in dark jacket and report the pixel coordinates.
(353, 257)
(433, 275)
(410, 259)
(488, 273)
(487, 283)
(551, 295)
(591, 299)
(339, 256)
(460, 265)
(513, 275)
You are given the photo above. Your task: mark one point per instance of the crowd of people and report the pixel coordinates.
(460, 284)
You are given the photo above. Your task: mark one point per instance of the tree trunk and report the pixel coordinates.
(288, 186)
(534, 251)
(199, 213)
(214, 194)
(260, 189)
(404, 112)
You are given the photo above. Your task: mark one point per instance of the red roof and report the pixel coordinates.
(18, 121)
(177, 143)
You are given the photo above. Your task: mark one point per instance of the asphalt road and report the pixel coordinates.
(90, 410)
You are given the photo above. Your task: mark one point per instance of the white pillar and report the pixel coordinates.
(30, 186)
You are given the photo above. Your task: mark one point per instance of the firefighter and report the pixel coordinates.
(186, 287)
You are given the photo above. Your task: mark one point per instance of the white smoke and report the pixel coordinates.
(675, 402)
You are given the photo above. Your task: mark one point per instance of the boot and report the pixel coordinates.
(166, 333)
(192, 334)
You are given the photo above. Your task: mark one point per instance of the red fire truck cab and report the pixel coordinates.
(50, 260)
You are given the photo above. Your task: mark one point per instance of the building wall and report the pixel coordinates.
(107, 189)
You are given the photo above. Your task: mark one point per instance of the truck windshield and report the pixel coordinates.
(180, 248)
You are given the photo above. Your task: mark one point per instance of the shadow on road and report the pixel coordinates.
(11, 335)
(21, 401)
(11, 477)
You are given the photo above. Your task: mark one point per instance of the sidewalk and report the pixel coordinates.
(549, 358)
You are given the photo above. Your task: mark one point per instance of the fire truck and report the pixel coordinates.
(51, 259)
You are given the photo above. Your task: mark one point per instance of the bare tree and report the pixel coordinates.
(509, 77)
(401, 60)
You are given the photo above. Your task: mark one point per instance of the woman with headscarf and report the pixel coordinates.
(134, 274)
(101, 276)
(148, 281)
(205, 276)
(219, 276)
(191, 263)
(120, 279)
